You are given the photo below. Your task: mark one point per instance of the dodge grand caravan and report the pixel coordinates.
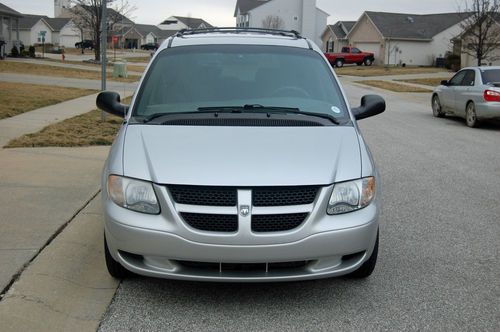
(240, 160)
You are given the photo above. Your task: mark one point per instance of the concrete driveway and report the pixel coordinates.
(438, 268)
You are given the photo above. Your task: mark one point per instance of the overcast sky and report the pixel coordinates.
(220, 12)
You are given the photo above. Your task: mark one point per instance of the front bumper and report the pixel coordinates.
(158, 246)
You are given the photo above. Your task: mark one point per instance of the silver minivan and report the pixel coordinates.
(240, 160)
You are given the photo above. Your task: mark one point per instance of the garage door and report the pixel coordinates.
(372, 48)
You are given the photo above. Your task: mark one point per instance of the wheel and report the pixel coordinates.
(437, 110)
(367, 268)
(470, 115)
(115, 269)
(290, 91)
(368, 62)
(339, 63)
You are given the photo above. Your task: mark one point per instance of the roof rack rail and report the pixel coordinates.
(286, 33)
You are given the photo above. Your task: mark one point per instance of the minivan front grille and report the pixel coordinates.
(211, 222)
(282, 196)
(200, 195)
(277, 222)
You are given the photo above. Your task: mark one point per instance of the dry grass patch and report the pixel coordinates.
(144, 59)
(17, 98)
(82, 130)
(426, 81)
(138, 69)
(48, 70)
(392, 86)
(364, 71)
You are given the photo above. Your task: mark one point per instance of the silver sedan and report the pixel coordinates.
(473, 94)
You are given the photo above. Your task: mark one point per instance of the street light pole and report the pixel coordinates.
(104, 42)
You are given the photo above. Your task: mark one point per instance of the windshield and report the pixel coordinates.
(490, 76)
(185, 79)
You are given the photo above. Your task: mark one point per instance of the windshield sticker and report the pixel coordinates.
(336, 110)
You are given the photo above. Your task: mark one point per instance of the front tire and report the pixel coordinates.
(437, 110)
(368, 62)
(115, 269)
(366, 269)
(471, 116)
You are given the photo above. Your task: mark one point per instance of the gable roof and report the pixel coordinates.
(247, 5)
(192, 22)
(145, 29)
(411, 26)
(9, 11)
(341, 28)
(57, 23)
(28, 21)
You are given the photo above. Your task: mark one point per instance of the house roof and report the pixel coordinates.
(164, 34)
(28, 21)
(193, 22)
(57, 23)
(338, 28)
(247, 5)
(411, 26)
(9, 11)
(144, 29)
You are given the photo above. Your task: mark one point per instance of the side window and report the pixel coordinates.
(458, 78)
(355, 51)
(345, 50)
(469, 78)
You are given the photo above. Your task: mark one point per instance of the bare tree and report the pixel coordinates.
(481, 36)
(87, 16)
(273, 22)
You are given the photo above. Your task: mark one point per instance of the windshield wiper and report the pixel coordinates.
(249, 108)
(254, 108)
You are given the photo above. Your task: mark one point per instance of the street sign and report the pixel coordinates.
(115, 39)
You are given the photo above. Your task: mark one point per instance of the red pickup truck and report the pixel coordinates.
(350, 55)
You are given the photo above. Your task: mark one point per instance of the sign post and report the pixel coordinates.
(104, 40)
(42, 34)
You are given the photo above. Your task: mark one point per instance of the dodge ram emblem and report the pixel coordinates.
(244, 210)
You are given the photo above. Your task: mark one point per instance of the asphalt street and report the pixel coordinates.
(438, 265)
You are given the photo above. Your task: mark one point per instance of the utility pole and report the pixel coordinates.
(104, 44)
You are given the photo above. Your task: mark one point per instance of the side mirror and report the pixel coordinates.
(109, 102)
(370, 105)
(445, 83)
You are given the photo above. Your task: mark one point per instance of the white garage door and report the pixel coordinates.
(372, 48)
(69, 41)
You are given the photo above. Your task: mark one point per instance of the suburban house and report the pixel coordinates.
(58, 31)
(299, 15)
(178, 23)
(408, 39)
(140, 34)
(335, 36)
(463, 45)
(9, 29)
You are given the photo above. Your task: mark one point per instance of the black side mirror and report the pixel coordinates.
(109, 101)
(445, 83)
(370, 105)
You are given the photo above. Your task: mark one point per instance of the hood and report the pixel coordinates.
(241, 156)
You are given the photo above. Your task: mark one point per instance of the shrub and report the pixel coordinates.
(31, 51)
(14, 52)
(452, 61)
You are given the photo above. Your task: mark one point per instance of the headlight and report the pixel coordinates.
(133, 194)
(351, 196)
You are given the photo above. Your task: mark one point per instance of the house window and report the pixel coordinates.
(329, 46)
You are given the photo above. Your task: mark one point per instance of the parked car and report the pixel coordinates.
(240, 160)
(473, 94)
(350, 55)
(150, 46)
(87, 43)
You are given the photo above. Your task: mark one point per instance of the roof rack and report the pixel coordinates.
(286, 33)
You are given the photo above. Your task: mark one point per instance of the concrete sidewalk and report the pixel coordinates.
(40, 191)
(67, 82)
(36, 120)
(69, 65)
